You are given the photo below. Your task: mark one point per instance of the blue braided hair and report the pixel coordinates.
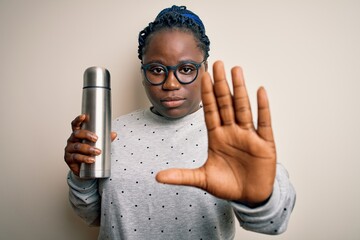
(178, 18)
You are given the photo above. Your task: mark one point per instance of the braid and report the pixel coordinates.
(175, 18)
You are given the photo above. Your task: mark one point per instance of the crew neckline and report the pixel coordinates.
(195, 116)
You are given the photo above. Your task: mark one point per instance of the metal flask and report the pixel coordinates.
(96, 105)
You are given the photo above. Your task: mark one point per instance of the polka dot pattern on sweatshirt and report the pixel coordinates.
(147, 144)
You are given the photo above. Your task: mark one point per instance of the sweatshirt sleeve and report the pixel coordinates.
(84, 198)
(272, 217)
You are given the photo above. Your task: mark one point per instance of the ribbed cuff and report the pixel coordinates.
(78, 183)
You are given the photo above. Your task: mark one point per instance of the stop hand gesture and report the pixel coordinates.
(241, 162)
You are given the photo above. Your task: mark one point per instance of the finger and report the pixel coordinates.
(76, 158)
(76, 123)
(223, 95)
(82, 148)
(241, 99)
(113, 136)
(264, 127)
(212, 118)
(75, 168)
(80, 135)
(188, 177)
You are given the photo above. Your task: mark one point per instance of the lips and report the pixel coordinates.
(172, 102)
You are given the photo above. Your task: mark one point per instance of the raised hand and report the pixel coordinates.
(241, 162)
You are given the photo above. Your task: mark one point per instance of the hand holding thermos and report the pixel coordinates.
(87, 152)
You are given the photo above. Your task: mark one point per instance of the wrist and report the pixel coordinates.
(253, 204)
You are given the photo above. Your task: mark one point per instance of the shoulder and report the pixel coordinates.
(128, 118)
(136, 113)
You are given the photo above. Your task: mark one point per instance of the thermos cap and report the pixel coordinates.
(96, 77)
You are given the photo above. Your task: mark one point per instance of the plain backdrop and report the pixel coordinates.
(306, 54)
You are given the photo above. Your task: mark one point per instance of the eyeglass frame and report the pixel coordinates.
(197, 65)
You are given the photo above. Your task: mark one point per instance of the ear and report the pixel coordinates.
(142, 76)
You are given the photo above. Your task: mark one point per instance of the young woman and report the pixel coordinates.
(181, 169)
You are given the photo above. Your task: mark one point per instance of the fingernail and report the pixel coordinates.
(95, 151)
(94, 137)
(91, 160)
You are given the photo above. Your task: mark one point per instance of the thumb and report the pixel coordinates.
(178, 176)
(113, 136)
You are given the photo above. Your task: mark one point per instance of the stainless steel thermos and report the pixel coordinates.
(96, 105)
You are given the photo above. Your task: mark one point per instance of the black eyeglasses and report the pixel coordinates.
(185, 72)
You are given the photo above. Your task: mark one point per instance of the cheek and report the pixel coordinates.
(195, 91)
(151, 92)
(198, 82)
(144, 82)
(197, 87)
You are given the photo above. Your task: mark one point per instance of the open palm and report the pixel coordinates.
(241, 158)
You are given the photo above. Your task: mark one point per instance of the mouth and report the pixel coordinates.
(172, 102)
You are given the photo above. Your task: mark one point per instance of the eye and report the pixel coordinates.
(156, 69)
(187, 69)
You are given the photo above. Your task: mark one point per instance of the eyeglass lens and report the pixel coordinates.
(157, 73)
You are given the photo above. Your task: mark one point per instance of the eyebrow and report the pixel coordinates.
(179, 62)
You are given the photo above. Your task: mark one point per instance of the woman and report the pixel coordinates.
(227, 165)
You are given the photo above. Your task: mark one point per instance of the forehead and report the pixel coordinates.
(172, 45)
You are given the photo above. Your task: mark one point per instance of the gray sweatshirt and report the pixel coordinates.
(132, 205)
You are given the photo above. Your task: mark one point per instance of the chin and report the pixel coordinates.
(173, 113)
(176, 113)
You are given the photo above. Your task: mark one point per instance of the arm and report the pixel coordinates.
(83, 195)
(241, 165)
(85, 199)
(273, 216)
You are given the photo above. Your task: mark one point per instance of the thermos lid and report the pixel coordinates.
(96, 77)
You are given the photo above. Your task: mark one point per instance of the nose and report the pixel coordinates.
(171, 82)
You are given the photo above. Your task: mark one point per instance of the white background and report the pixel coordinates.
(306, 54)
